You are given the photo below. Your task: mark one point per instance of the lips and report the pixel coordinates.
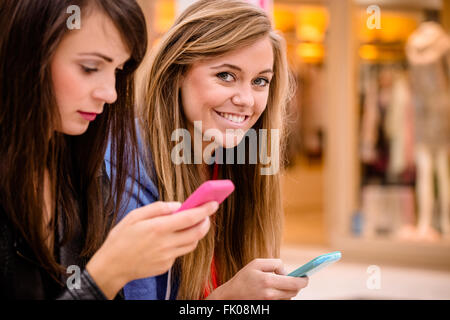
(89, 116)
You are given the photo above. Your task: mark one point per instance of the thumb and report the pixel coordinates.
(155, 209)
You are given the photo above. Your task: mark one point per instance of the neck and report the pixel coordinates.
(203, 150)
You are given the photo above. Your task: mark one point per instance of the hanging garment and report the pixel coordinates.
(428, 51)
(398, 127)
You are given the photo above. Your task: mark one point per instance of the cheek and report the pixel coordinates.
(261, 104)
(198, 97)
(68, 87)
(189, 101)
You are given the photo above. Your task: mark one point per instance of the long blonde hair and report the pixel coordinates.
(248, 224)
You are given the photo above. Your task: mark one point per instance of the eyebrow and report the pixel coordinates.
(106, 58)
(231, 66)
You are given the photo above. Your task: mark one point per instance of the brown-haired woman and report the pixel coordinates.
(63, 91)
(220, 65)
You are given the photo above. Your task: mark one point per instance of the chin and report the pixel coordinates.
(74, 130)
(231, 141)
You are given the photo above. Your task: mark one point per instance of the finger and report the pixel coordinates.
(153, 210)
(287, 283)
(181, 251)
(189, 218)
(191, 235)
(275, 294)
(269, 265)
(288, 295)
(185, 246)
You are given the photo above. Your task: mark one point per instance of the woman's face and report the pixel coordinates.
(229, 92)
(84, 71)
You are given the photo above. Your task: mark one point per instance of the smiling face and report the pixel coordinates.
(84, 70)
(229, 92)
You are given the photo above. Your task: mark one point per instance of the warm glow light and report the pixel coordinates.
(284, 17)
(310, 52)
(371, 52)
(395, 27)
(164, 14)
(312, 22)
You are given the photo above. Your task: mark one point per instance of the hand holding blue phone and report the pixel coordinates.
(316, 264)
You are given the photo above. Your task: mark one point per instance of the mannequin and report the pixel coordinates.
(428, 53)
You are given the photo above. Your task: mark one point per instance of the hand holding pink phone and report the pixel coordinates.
(211, 190)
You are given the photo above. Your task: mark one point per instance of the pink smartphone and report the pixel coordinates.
(211, 190)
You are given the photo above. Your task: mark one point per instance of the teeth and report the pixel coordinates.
(232, 117)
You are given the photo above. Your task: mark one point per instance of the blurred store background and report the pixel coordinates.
(368, 170)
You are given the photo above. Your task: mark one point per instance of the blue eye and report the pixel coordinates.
(261, 82)
(225, 76)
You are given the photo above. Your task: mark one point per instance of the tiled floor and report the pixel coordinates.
(349, 280)
(302, 187)
(305, 238)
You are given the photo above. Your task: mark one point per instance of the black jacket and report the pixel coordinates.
(22, 277)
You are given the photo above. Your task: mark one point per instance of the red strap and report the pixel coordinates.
(215, 171)
(206, 292)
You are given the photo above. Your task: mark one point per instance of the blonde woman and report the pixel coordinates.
(219, 72)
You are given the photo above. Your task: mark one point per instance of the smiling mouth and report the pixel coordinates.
(235, 118)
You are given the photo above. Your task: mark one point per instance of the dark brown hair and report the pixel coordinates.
(30, 32)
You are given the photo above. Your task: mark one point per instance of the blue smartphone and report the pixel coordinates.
(316, 264)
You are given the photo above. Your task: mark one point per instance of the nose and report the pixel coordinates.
(243, 97)
(106, 92)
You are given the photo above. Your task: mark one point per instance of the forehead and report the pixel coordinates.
(97, 33)
(252, 58)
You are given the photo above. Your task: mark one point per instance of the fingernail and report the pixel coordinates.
(173, 206)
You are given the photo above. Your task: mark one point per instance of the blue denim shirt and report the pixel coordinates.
(143, 193)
